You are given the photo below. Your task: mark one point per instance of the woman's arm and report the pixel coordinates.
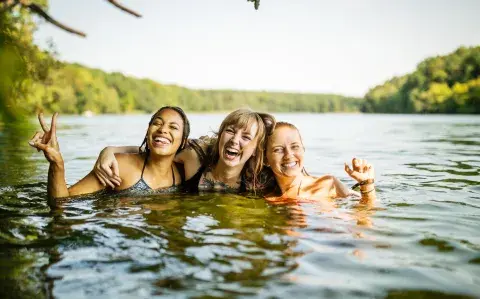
(364, 174)
(57, 187)
(106, 167)
(342, 190)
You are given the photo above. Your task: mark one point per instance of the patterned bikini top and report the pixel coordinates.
(142, 188)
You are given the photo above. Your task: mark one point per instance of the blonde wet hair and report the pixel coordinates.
(244, 119)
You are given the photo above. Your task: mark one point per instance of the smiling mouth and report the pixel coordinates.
(289, 165)
(161, 141)
(231, 153)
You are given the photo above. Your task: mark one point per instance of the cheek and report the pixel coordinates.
(299, 156)
(251, 145)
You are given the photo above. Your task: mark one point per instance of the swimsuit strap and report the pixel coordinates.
(243, 183)
(173, 176)
(198, 149)
(144, 165)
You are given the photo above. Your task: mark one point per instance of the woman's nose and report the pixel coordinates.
(288, 152)
(236, 138)
(163, 129)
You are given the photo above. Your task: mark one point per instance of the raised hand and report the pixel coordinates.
(362, 170)
(46, 141)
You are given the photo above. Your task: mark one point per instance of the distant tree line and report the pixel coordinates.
(73, 88)
(442, 84)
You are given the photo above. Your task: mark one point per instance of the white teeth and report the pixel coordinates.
(162, 140)
(290, 165)
(232, 152)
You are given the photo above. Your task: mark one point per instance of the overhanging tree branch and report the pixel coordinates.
(39, 11)
(6, 5)
(125, 9)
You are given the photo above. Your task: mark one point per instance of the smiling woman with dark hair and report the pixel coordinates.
(150, 170)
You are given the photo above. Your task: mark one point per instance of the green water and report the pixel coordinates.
(422, 240)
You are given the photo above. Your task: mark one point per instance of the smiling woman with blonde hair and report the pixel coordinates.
(285, 157)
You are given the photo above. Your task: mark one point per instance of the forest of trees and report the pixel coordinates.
(441, 84)
(32, 80)
(73, 88)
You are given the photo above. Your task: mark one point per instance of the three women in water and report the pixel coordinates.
(249, 153)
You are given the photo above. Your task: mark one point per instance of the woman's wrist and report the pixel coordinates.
(364, 183)
(367, 187)
(58, 165)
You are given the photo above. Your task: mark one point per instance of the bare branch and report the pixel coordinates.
(39, 11)
(125, 9)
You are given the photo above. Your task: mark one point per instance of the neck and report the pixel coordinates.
(286, 183)
(160, 165)
(226, 174)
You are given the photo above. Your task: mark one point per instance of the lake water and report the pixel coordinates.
(422, 240)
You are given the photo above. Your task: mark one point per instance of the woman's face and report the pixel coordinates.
(285, 152)
(237, 145)
(165, 133)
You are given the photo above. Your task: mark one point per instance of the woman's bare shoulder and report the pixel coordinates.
(319, 185)
(130, 161)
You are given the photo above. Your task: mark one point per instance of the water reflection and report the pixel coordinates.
(14, 150)
(169, 245)
(420, 240)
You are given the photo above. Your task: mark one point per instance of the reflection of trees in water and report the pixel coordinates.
(224, 239)
(27, 246)
(16, 166)
(224, 243)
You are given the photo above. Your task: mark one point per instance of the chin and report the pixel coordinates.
(291, 173)
(161, 151)
(231, 163)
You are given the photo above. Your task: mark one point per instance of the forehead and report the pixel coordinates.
(249, 126)
(169, 115)
(284, 135)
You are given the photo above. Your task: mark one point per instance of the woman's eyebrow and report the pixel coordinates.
(172, 122)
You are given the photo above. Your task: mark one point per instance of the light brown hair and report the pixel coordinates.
(244, 118)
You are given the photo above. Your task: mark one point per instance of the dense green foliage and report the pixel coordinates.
(73, 88)
(22, 63)
(442, 84)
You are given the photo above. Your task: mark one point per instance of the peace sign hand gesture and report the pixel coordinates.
(362, 170)
(46, 141)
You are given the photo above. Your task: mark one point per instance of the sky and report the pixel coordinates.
(312, 46)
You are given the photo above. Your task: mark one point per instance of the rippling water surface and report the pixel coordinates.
(422, 240)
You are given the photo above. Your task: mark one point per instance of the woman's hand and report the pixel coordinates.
(46, 141)
(106, 169)
(362, 171)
